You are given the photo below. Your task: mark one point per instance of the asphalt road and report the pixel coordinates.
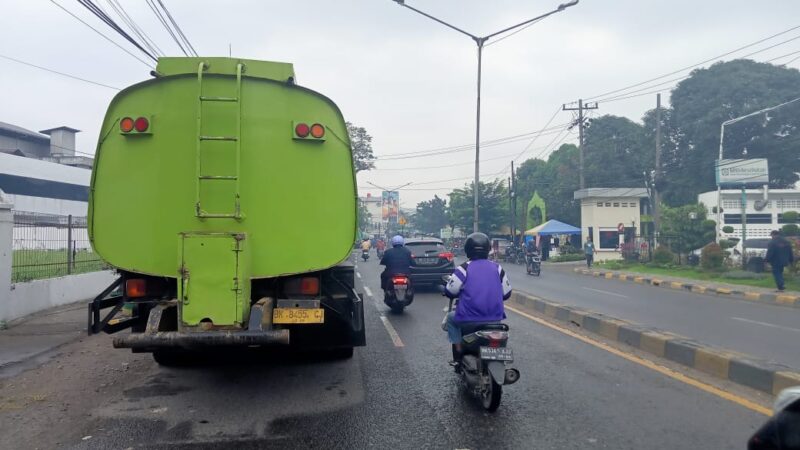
(758, 329)
(395, 393)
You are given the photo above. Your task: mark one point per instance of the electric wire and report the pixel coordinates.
(103, 35)
(166, 26)
(100, 14)
(178, 29)
(149, 42)
(615, 91)
(59, 73)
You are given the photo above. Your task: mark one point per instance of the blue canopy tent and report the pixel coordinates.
(552, 227)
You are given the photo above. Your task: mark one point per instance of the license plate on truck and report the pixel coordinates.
(298, 315)
(497, 354)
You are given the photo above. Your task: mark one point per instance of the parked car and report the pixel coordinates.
(432, 261)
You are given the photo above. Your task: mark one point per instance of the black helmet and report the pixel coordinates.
(477, 246)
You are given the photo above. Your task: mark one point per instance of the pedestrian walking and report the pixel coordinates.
(779, 255)
(588, 251)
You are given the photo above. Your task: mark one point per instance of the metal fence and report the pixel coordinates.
(47, 246)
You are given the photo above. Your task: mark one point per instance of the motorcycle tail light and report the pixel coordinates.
(399, 280)
(493, 335)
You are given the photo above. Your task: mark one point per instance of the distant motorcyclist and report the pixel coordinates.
(397, 260)
(366, 244)
(380, 247)
(481, 287)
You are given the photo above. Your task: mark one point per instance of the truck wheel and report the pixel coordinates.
(170, 358)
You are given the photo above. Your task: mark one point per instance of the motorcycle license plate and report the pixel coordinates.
(497, 354)
(298, 315)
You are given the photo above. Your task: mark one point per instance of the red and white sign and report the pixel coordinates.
(621, 227)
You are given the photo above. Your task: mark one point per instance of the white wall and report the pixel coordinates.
(607, 218)
(30, 297)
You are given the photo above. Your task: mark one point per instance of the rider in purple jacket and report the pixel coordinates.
(481, 287)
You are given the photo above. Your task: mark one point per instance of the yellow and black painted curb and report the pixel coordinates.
(755, 373)
(698, 287)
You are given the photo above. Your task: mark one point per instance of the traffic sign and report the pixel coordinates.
(621, 227)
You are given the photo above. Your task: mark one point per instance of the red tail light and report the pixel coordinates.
(302, 130)
(135, 288)
(302, 286)
(141, 124)
(446, 255)
(399, 280)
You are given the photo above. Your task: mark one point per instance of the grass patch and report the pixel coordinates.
(27, 265)
(567, 257)
(763, 280)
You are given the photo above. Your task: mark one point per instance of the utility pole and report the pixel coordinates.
(657, 175)
(513, 206)
(581, 107)
(510, 212)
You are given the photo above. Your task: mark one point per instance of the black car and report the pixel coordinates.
(432, 261)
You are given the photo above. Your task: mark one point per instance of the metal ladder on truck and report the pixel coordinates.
(203, 140)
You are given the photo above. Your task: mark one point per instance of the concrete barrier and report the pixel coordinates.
(699, 288)
(759, 374)
(33, 296)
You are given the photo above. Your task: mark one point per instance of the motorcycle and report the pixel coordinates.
(782, 430)
(379, 252)
(483, 369)
(533, 264)
(399, 293)
(365, 255)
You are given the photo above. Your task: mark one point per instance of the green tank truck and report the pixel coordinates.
(224, 195)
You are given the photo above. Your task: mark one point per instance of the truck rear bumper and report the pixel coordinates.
(177, 339)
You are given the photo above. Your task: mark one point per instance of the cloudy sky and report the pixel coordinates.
(409, 81)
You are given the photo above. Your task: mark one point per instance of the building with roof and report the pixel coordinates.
(611, 216)
(53, 144)
(763, 210)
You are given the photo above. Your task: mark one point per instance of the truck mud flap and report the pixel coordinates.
(177, 339)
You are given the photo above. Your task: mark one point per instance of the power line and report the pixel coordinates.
(178, 29)
(59, 73)
(102, 35)
(163, 21)
(100, 14)
(151, 45)
(697, 64)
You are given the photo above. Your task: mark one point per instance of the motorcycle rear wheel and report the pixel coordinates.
(491, 398)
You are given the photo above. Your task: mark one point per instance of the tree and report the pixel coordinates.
(618, 154)
(492, 210)
(555, 180)
(364, 217)
(361, 144)
(685, 228)
(721, 92)
(431, 215)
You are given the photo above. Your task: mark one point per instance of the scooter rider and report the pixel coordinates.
(481, 287)
(397, 261)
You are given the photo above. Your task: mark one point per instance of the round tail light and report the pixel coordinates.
(317, 131)
(126, 125)
(301, 130)
(141, 124)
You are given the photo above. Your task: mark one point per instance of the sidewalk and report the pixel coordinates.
(756, 294)
(33, 338)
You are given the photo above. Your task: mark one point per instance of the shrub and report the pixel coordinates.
(727, 229)
(791, 216)
(743, 275)
(567, 257)
(727, 243)
(712, 257)
(663, 256)
(790, 229)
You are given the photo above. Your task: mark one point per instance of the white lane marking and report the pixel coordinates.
(358, 274)
(386, 324)
(606, 292)
(771, 325)
(395, 337)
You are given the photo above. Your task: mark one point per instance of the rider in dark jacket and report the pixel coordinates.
(397, 260)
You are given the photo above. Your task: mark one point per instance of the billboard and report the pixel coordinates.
(741, 172)
(390, 205)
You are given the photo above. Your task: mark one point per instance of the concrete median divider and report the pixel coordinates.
(698, 287)
(755, 373)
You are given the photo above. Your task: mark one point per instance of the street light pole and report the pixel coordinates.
(480, 41)
(721, 140)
